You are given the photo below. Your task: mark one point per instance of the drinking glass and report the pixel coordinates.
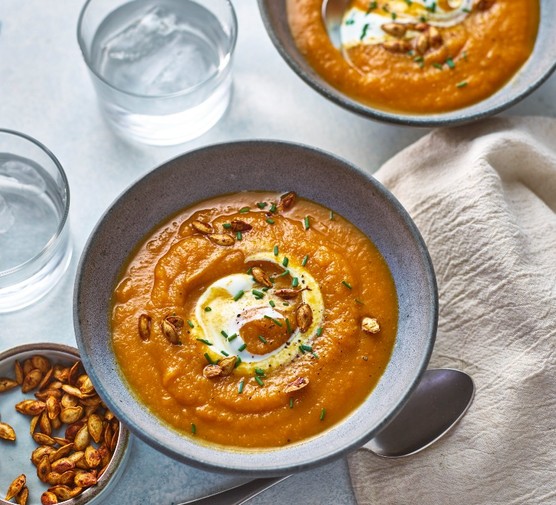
(161, 68)
(35, 246)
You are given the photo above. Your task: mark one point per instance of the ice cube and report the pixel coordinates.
(6, 215)
(14, 172)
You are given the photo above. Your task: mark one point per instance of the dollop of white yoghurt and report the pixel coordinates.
(233, 304)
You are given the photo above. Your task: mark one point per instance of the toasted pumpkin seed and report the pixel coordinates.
(287, 201)
(222, 239)
(239, 225)
(48, 498)
(170, 332)
(144, 326)
(30, 407)
(296, 385)
(95, 426)
(31, 380)
(212, 371)
(70, 415)
(304, 317)
(200, 226)
(18, 371)
(15, 487)
(23, 496)
(261, 277)
(227, 365)
(395, 29)
(7, 384)
(7, 432)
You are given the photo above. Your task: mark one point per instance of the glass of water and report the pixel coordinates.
(161, 68)
(35, 246)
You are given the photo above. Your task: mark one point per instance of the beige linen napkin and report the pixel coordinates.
(484, 198)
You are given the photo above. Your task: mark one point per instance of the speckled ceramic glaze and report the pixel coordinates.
(15, 458)
(272, 166)
(534, 72)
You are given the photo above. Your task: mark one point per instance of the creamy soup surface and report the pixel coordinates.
(254, 320)
(419, 56)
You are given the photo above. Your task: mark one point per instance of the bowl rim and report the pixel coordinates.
(194, 457)
(471, 113)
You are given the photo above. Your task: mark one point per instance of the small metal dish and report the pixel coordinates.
(16, 454)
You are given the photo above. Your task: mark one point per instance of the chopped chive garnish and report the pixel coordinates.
(319, 331)
(364, 31)
(227, 225)
(232, 337)
(350, 21)
(461, 84)
(288, 325)
(224, 334)
(315, 355)
(291, 403)
(240, 386)
(265, 289)
(257, 294)
(301, 349)
(263, 340)
(466, 10)
(273, 208)
(243, 210)
(262, 205)
(285, 272)
(295, 282)
(271, 303)
(208, 358)
(437, 65)
(249, 270)
(238, 361)
(285, 261)
(304, 260)
(193, 428)
(306, 223)
(242, 347)
(205, 341)
(224, 353)
(259, 371)
(275, 321)
(450, 63)
(322, 414)
(331, 215)
(306, 348)
(346, 284)
(207, 309)
(259, 380)
(394, 15)
(238, 295)
(270, 221)
(275, 250)
(190, 323)
(239, 235)
(357, 300)
(372, 6)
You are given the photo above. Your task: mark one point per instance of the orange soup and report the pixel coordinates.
(419, 56)
(254, 320)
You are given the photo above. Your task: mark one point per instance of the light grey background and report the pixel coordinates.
(45, 92)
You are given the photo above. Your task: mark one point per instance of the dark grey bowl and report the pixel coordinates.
(534, 72)
(258, 165)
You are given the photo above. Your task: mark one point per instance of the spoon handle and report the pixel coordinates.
(238, 495)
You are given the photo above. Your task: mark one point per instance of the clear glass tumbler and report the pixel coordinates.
(35, 246)
(161, 68)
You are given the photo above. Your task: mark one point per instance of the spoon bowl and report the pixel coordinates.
(332, 14)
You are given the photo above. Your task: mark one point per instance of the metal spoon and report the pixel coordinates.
(332, 14)
(437, 404)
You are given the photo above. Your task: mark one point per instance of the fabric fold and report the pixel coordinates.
(484, 198)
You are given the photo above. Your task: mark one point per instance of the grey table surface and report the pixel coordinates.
(45, 92)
